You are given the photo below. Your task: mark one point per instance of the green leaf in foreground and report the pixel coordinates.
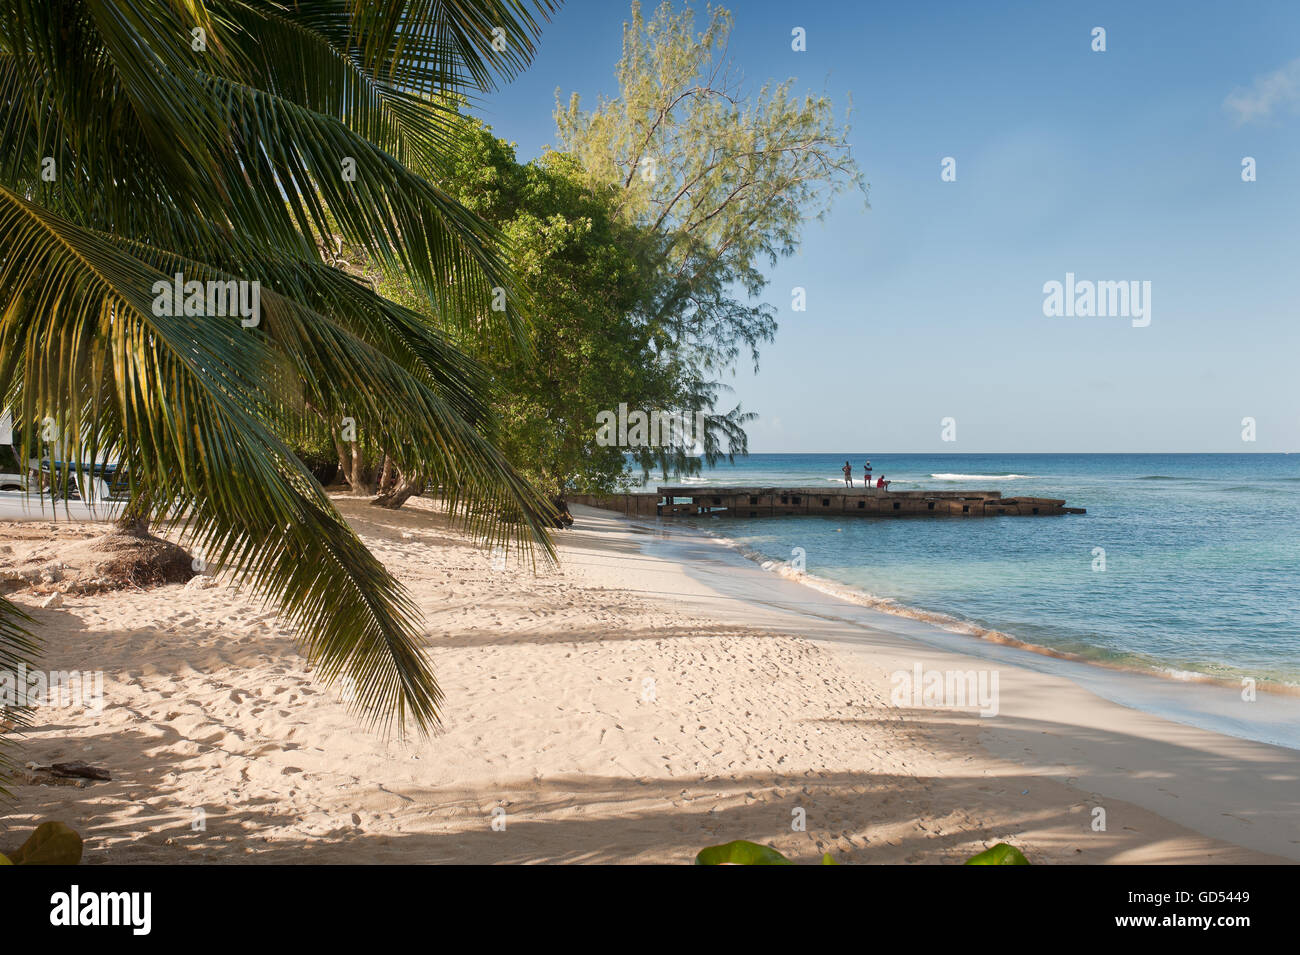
(1001, 854)
(741, 852)
(53, 843)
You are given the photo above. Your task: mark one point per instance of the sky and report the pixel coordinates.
(1116, 166)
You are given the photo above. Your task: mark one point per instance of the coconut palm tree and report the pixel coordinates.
(149, 142)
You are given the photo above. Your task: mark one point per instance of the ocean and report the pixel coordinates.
(1186, 565)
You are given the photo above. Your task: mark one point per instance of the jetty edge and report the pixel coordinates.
(677, 501)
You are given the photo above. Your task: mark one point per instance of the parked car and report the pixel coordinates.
(106, 482)
(13, 476)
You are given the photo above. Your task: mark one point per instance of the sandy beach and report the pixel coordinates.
(633, 705)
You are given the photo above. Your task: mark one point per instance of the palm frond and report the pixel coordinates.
(396, 216)
(17, 652)
(225, 163)
(431, 45)
(425, 401)
(260, 151)
(291, 57)
(189, 408)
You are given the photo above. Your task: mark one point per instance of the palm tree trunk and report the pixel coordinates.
(134, 519)
(134, 557)
(406, 489)
(352, 465)
(360, 476)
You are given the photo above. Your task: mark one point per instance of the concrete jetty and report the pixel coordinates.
(695, 500)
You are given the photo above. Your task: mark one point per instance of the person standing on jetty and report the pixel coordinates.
(866, 475)
(848, 473)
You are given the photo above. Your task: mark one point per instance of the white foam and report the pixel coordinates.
(979, 477)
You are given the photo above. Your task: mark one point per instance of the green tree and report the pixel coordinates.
(586, 276)
(723, 180)
(584, 271)
(218, 139)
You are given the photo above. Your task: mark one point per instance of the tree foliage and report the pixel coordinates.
(220, 139)
(587, 277)
(723, 179)
(728, 178)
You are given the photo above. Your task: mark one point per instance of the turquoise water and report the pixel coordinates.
(1202, 552)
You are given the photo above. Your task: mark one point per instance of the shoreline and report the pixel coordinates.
(629, 706)
(1072, 729)
(1144, 666)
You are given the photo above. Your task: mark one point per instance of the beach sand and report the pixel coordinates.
(625, 707)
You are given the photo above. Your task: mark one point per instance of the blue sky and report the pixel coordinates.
(1116, 166)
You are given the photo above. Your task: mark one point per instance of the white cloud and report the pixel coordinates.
(1278, 91)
